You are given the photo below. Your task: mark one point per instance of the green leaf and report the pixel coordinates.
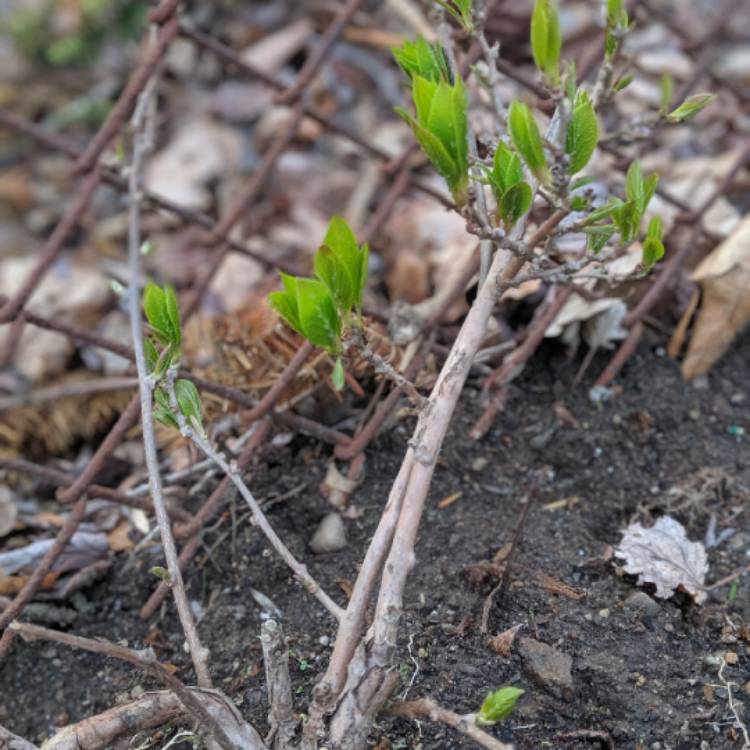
(364, 268)
(653, 251)
(189, 401)
(423, 59)
(318, 315)
(654, 228)
(623, 83)
(461, 10)
(580, 182)
(649, 188)
(506, 170)
(337, 277)
(498, 705)
(690, 107)
(285, 303)
(151, 354)
(526, 138)
(337, 376)
(515, 203)
(173, 314)
(598, 237)
(155, 307)
(422, 93)
(161, 573)
(546, 40)
(162, 410)
(665, 99)
(440, 158)
(583, 133)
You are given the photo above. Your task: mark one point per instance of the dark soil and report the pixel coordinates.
(644, 670)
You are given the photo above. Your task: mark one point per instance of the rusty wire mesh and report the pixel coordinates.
(398, 177)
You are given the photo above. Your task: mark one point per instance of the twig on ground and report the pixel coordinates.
(10, 741)
(141, 146)
(738, 723)
(146, 659)
(603, 738)
(427, 708)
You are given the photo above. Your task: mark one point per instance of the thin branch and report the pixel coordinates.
(259, 517)
(427, 708)
(141, 146)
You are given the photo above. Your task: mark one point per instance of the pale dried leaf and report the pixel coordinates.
(502, 643)
(724, 277)
(664, 556)
(8, 511)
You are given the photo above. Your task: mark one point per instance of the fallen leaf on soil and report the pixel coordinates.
(449, 500)
(119, 538)
(84, 548)
(8, 511)
(724, 277)
(554, 586)
(664, 556)
(13, 584)
(502, 643)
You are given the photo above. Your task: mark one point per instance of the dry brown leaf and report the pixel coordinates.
(119, 538)
(559, 588)
(502, 643)
(664, 556)
(724, 277)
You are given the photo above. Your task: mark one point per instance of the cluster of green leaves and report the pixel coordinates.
(441, 124)
(625, 217)
(498, 705)
(546, 40)
(321, 308)
(34, 32)
(162, 351)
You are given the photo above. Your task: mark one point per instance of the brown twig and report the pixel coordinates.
(146, 660)
(427, 708)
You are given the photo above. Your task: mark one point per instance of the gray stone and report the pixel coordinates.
(330, 536)
(548, 667)
(640, 601)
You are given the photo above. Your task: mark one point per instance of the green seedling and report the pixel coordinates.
(498, 705)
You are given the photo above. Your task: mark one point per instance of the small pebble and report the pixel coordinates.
(479, 463)
(330, 536)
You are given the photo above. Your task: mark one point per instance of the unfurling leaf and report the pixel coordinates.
(461, 10)
(285, 302)
(151, 354)
(665, 99)
(546, 40)
(515, 202)
(623, 83)
(526, 138)
(337, 376)
(162, 410)
(441, 127)
(690, 107)
(653, 247)
(341, 265)
(498, 705)
(319, 318)
(189, 401)
(598, 237)
(423, 59)
(506, 170)
(583, 133)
